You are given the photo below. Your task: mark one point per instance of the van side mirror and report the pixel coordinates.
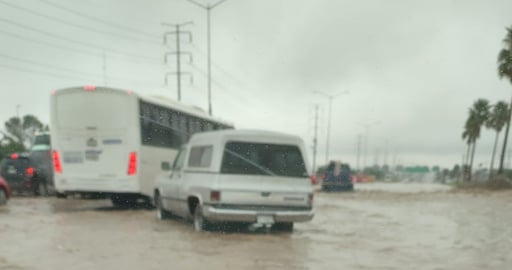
(166, 166)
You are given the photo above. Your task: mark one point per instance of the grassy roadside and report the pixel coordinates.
(496, 184)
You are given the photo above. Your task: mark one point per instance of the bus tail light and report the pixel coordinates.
(89, 87)
(132, 163)
(56, 162)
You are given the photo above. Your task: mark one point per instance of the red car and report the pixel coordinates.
(5, 191)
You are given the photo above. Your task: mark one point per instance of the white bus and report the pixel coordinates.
(111, 143)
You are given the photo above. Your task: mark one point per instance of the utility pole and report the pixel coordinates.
(315, 140)
(377, 157)
(359, 136)
(330, 97)
(177, 53)
(386, 153)
(104, 67)
(208, 9)
(367, 131)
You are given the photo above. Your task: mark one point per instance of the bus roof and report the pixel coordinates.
(157, 100)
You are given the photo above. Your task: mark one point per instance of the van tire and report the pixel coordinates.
(200, 223)
(161, 213)
(60, 195)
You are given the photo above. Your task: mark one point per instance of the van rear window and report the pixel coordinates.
(263, 159)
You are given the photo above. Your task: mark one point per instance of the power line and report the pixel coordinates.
(67, 23)
(218, 67)
(221, 86)
(46, 65)
(18, 36)
(44, 73)
(54, 45)
(88, 74)
(53, 35)
(98, 19)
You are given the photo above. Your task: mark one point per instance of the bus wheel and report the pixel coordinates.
(119, 201)
(286, 227)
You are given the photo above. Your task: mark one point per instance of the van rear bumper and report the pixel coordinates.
(214, 214)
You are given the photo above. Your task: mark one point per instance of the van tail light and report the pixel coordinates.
(14, 156)
(57, 166)
(132, 164)
(29, 172)
(310, 199)
(215, 196)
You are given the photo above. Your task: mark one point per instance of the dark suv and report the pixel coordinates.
(19, 171)
(338, 177)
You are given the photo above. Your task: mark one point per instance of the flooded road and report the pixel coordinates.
(367, 229)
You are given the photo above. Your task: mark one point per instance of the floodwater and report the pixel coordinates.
(372, 228)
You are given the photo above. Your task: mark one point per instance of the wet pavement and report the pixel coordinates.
(376, 227)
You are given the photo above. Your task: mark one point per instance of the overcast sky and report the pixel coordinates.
(411, 67)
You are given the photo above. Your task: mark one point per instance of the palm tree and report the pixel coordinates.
(466, 137)
(478, 115)
(505, 71)
(497, 120)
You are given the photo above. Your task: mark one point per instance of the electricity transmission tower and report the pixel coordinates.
(178, 53)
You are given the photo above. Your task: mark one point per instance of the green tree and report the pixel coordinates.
(455, 172)
(22, 130)
(9, 146)
(496, 121)
(505, 71)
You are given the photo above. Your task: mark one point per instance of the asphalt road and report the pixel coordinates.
(384, 226)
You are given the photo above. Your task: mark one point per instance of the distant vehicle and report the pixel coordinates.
(41, 139)
(41, 158)
(338, 177)
(111, 142)
(20, 174)
(313, 179)
(253, 177)
(5, 191)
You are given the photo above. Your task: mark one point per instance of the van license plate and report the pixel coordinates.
(265, 219)
(11, 170)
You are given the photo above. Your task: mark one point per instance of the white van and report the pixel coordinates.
(254, 177)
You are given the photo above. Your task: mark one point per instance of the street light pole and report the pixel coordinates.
(328, 131)
(330, 97)
(365, 150)
(208, 8)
